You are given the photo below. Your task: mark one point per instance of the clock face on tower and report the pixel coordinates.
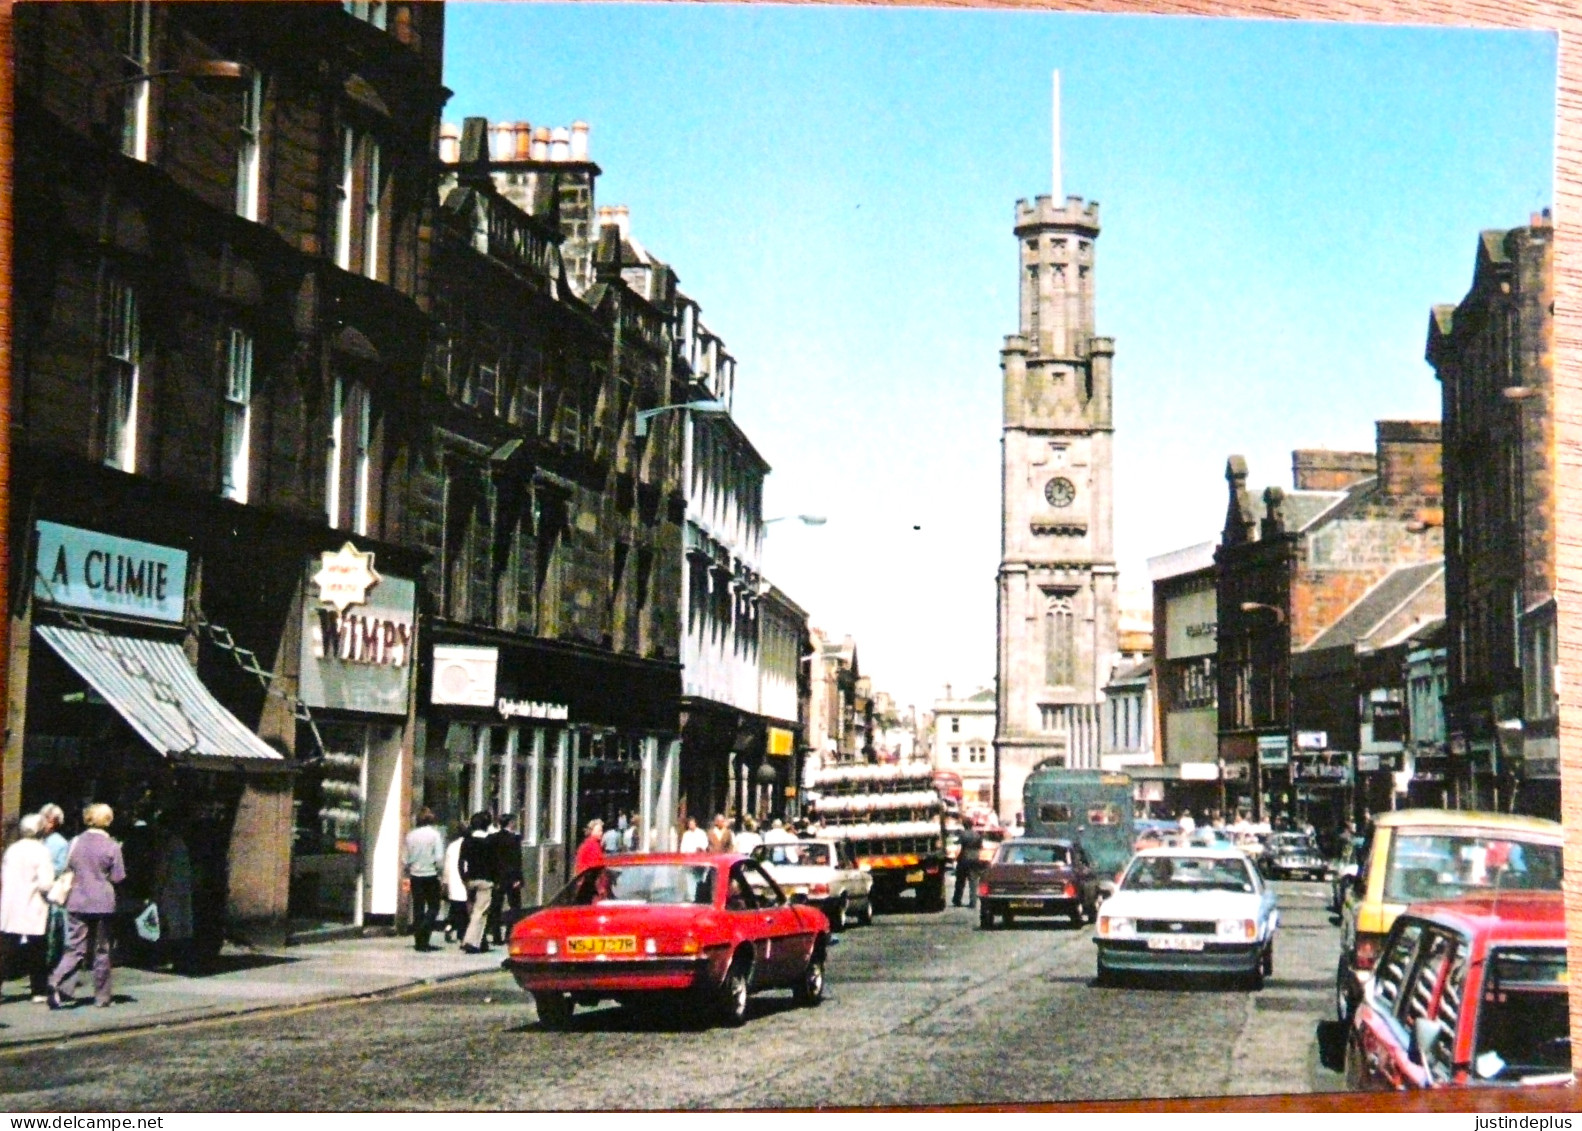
(1059, 492)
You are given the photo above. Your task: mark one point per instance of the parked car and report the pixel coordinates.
(1293, 856)
(1038, 876)
(1466, 992)
(1423, 855)
(705, 930)
(1155, 834)
(826, 873)
(1188, 910)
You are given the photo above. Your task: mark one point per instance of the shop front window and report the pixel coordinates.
(609, 777)
(327, 849)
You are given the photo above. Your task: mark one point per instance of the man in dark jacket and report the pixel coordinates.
(508, 888)
(480, 868)
(968, 865)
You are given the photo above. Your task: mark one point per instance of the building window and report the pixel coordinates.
(1192, 683)
(528, 389)
(955, 753)
(357, 213)
(118, 408)
(1060, 641)
(955, 724)
(483, 389)
(134, 45)
(235, 448)
(351, 433)
(247, 150)
(369, 11)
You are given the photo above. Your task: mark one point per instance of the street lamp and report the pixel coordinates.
(205, 69)
(647, 414)
(1254, 606)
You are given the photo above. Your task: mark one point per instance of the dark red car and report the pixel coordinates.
(1466, 992)
(1037, 876)
(706, 930)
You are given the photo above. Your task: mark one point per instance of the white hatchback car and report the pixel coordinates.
(1188, 910)
(825, 872)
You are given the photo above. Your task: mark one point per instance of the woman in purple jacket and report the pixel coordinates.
(96, 867)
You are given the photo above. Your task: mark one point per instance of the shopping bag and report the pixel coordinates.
(147, 923)
(60, 889)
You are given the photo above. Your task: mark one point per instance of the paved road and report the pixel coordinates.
(922, 1009)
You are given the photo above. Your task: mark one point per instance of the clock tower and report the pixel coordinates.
(1057, 578)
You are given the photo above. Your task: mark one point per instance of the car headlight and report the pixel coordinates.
(1238, 929)
(1114, 926)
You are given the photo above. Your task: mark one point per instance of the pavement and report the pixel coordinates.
(238, 981)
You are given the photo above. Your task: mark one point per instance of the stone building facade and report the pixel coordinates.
(223, 222)
(1057, 578)
(1286, 571)
(1493, 354)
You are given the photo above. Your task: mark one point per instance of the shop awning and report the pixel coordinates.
(156, 691)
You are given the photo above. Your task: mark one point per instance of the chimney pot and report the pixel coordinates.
(579, 141)
(504, 147)
(541, 144)
(524, 141)
(560, 144)
(450, 143)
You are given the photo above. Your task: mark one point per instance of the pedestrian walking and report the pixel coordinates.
(969, 862)
(455, 888)
(52, 817)
(26, 873)
(720, 838)
(479, 865)
(508, 892)
(632, 837)
(610, 842)
(694, 839)
(172, 889)
(590, 853)
(778, 833)
(94, 860)
(425, 861)
(748, 839)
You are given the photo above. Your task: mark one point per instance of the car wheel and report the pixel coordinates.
(554, 1009)
(733, 995)
(1268, 960)
(1342, 996)
(810, 989)
(837, 916)
(865, 916)
(985, 919)
(1255, 979)
(1077, 916)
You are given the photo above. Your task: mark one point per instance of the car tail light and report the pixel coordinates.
(690, 946)
(1366, 952)
(551, 947)
(1071, 891)
(983, 888)
(818, 889)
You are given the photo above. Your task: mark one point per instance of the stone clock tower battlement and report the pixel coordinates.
(1057, 577)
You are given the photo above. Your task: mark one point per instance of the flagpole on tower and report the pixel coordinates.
(1058, 196)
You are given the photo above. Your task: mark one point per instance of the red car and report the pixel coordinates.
(705, 929)
(1466, 992)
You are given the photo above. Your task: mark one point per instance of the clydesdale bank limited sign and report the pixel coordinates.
(357, 635)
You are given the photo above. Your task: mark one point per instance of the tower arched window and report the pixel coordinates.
(1060, 640)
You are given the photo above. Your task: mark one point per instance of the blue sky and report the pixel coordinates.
(1281, 204)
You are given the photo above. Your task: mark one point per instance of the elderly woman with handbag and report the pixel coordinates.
(26, 873)
(96, 867)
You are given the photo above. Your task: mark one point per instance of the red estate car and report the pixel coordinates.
(707, 929)
(1466, 992)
